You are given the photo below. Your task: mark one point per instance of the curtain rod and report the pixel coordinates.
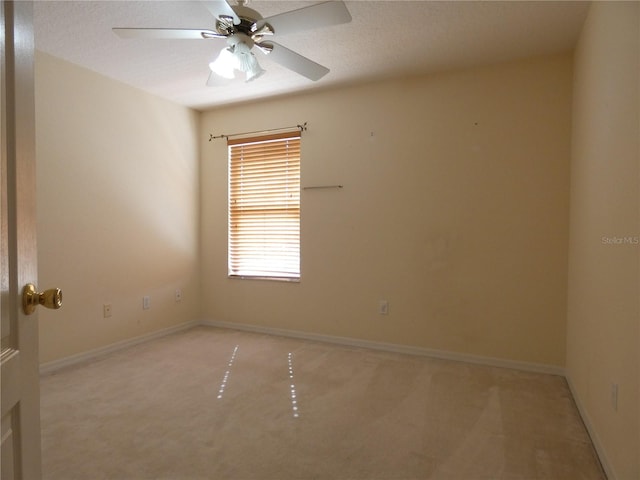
(302, 128)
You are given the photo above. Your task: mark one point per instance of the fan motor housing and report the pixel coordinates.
(248, 18)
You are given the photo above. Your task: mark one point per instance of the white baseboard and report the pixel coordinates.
(392, 347)
(347, 341)
(84, 356)
(595, 439)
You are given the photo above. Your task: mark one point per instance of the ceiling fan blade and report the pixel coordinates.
(220, 8)
(314, 16)
(294, 61)
(166, 33)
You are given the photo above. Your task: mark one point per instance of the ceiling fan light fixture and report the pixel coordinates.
(237, 56)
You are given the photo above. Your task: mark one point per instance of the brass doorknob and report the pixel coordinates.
(51, 298)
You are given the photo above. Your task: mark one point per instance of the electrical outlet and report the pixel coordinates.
(146, 302)
(106, 310)
(614, 396)
(178, 295)
(383, 307)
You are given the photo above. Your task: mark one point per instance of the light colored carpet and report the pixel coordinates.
(211, 403)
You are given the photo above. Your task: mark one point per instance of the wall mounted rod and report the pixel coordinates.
(302, 128)
(319, 187)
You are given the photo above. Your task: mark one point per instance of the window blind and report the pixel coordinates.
(264, 206)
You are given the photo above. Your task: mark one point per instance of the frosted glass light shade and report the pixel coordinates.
(248, 62)
(226, 64)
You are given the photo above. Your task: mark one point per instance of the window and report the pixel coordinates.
(264, 207)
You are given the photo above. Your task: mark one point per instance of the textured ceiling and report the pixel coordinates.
(385, 39)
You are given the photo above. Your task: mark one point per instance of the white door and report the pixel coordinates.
(20, 398)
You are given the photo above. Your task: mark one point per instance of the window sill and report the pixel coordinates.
(256, 277)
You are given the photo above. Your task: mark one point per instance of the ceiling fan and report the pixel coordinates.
(244, 28)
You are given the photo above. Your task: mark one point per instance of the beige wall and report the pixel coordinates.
(117, 208)
(603, 312)
(454, 209)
